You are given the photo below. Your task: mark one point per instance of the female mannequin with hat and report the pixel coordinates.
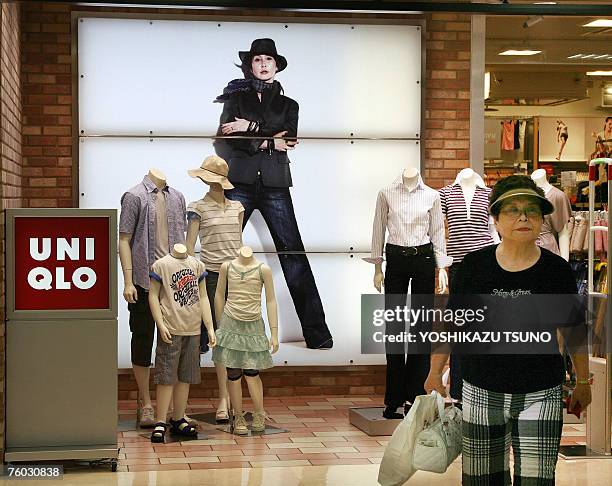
(218, 222)
(265, 122)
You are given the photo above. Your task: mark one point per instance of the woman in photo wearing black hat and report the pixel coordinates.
(260, 124)
(513, 399)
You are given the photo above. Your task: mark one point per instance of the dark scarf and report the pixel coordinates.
(237, 85)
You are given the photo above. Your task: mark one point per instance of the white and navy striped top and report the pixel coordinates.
(413, 217)
(467, 230)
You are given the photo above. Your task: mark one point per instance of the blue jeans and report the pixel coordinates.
(276, 207)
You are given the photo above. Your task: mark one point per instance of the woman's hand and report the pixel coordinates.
(434, 382)
(283, 145)
(240, 125)
(582, 395)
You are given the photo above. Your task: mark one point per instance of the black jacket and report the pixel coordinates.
(275, 113)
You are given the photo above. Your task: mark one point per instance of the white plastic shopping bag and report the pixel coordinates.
(396, 466)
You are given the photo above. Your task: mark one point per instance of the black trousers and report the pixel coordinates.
(406, 373)
(456, 377)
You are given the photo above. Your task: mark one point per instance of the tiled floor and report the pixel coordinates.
(319, 434)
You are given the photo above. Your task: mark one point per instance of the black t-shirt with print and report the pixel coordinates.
(479, 273)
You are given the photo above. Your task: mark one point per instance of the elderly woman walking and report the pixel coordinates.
(513, 400)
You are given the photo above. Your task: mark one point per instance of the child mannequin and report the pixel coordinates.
(179, 304)
(217, 221)
(242, 345)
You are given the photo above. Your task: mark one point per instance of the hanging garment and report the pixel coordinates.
(517, 127)
(508, 135)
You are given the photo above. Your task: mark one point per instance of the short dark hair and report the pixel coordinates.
(512, 182)
(608, 118)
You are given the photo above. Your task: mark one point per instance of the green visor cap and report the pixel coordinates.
(545, 204)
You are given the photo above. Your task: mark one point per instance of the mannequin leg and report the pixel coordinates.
(164, 395)
(180, 396)
(397, 279)
(256, 391)
(422, 290)
(224, 402)
(234, 388)
(142, 374)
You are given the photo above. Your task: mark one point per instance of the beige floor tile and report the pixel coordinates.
(280, 463)
(191, 443)
(296, 444)
(325, 450)
(340, 433)
(187, 460)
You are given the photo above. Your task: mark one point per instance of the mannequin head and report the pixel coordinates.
(179, 251)
(157, 177)
(466, 173)
(245, 252)
(410, 172)
(539, 177)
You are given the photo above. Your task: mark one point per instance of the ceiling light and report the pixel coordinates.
(609, 90)
(487, 85)
(601, 56)
(599, 23)
(545, 3)
(519, 52)
(588, 56)
(599, 73)
(575, 56)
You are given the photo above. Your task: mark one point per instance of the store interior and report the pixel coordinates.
(548, 107)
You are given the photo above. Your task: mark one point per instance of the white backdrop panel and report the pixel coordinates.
(334, 193)
(162, 75)
(341, 280)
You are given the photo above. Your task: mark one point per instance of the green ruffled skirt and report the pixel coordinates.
(242, 344)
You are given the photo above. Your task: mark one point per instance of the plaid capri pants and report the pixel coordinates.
(492, 421)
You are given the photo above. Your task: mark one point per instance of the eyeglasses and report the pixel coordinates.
(515, 212)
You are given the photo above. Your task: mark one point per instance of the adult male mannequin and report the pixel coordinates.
(412, 214)
(143, 238)
(555, 225)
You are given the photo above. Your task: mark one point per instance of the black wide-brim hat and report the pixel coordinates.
(263, 46)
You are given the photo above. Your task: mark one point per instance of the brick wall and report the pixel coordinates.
(447, 97)
(10, 149)
(47, 111)
(287, 381)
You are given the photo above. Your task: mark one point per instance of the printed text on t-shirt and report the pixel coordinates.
(185, 286)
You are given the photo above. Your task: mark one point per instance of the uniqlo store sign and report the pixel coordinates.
(61, 263)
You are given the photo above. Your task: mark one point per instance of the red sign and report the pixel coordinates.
(61, 263)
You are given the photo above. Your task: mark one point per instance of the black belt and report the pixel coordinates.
(426, 249)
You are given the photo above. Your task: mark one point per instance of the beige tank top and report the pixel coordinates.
(244, 293)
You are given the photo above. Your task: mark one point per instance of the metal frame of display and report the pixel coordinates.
(598, 427)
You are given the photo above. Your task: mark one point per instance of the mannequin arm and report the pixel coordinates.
(156, 312)
(220, 293)
(442, 280)
(192, 235)
(125, 257)
(271, 306)
(206, 314)
(564, 242)
(379, 276)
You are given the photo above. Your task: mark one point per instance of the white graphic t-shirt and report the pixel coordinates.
(180, 293)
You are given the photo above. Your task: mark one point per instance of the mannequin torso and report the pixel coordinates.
(555, 225)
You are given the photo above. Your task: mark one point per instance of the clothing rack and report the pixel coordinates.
(599, 416)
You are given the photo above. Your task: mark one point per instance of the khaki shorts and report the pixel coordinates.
(179, 361)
